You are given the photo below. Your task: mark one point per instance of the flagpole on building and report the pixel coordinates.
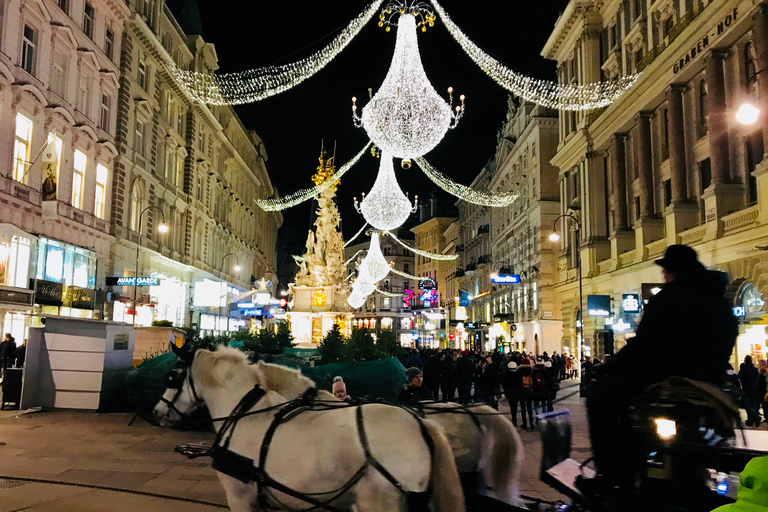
(45, 145)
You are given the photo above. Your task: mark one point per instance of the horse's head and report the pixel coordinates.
(181, 398)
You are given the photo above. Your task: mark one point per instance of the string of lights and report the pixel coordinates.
(257, 84)
(465, 193)
(543, 92)
(404, 274)
(356, 234)
(291, 200)
(386, 206)
(387, 294)
(430, 255)
(350, 260)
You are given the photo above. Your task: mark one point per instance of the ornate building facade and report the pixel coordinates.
(668, 162)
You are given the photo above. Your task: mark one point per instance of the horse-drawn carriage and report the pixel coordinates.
(273, 451)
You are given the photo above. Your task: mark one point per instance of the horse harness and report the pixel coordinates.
(243, 468)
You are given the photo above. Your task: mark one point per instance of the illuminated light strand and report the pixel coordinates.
(406, 117)
(350, 260)
(289, 201)
(257, 84)
(356, 234)
(386, 206)
(405, 274)
(542, 92)
(465, 193)
(375, 264)
(387, 294)
(298, 259)
(430, 255)
(356, 300)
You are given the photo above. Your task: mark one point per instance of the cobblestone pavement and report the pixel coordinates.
(84, 461)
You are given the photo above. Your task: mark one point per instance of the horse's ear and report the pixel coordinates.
(185, 353)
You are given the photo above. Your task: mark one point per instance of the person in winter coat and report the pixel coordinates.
(525, 371)
(21, 354)
(761, 388)
(432, 374)
(513, 387)
(415, 361)
(539, 388)
(339, 389)
(414, 390)
(465, 369)
(448, 377)
(551, 383)
(487, 375)
(704, 341)
(7, 353)
(748, 378)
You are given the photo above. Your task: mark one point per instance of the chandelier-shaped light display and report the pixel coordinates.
(375, 264)
(364, 284)
(356, 300)
(386, 206)
(406, 117)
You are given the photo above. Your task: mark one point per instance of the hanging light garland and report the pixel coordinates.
(465, 193)
(388, 294)
(542, 92)
(405, 274)
(430, 255)
(375, 264)
(289, 201)
(386, 206)
(356, 234)
(406, 117)
(257, 84)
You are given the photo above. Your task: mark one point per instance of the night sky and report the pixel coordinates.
(250, 34)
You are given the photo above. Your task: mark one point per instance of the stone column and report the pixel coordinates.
(619, 178)
(645, 163)
(717, 118)
(760, 32)
(677, 165)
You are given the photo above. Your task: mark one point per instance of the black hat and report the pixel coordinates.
(679, 259)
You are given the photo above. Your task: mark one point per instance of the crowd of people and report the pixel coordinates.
(532, 381)
(11, 355)
(754, 386)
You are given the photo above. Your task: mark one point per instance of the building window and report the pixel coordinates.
(136, 202)
(104, 119)
(750, 68)
(665, 139)
(84, 96)
(28, 50)
(88, 17)
(101, 191)
(16, 260)
(59, 82)
(142, 72)
(638, 56)
(21, 145)
(179, 171)
(78, 179)
(169, 157)
(667, 192)
(64, 5)
(754, 150)
(705, 174)
(109, 44)
(138, 136)
(668, 24)
(637, 208)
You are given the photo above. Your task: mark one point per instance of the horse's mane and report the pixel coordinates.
(210, 360)
(282, 378)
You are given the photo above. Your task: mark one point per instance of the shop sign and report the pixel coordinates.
(427, 283)
(252, 312)
(599, 305)
(464, 298)
(48, 293)
(246, 305)
(739, 311)
(132, 281)
(14, 297)
(707, 40)
(630, 303)
(407, 296)
(81, 298)
(428, 295)
(505, 279)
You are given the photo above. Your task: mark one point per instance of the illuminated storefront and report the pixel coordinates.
(16, 249)
(65, 279)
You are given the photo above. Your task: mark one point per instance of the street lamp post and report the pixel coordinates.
(555, 237)
(504, 268)
(162, 228)
(236, 268)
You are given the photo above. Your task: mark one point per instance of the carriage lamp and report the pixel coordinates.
(665, 429)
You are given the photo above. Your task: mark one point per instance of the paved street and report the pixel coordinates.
(96, 462)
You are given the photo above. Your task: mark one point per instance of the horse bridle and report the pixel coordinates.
(175, 379)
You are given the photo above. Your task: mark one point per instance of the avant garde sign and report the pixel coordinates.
(132, 281)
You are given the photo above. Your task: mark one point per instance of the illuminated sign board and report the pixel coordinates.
(630, 303)
(599, 305)
(427, 283)
(132, 281)
(252, 312)
(262, 298)
(739, 311)
(246, 305)
(505, 278)
(428, 295)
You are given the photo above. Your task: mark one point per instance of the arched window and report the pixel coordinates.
(199, 240)
(137, 201)
(750, 68)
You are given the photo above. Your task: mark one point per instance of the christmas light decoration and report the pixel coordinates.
(257, 84)
(465, 193)
(374, 264)
(387, 294)
(543, 92)
(289, 201)
(430, 255)
(356, 300)
(406, 117)
(404, 274)
(364, 284)
(356, 235)
(386, 207)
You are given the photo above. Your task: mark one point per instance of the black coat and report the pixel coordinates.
(464, 370)
(486, 381)
(432, 371)
(447, 372)
(7, 350)
(412, 395)
(512, 383)
(748, 379)
(688, 330)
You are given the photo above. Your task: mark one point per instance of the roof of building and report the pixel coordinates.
(187, 14)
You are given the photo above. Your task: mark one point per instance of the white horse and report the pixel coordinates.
(483, 441)
(385, 457)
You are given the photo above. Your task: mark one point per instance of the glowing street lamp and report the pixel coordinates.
(747, 114)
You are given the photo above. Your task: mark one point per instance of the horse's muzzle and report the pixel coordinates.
(166, 417)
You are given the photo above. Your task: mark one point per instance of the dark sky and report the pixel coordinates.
(251, 33)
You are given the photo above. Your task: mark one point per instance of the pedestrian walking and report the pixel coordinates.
(526, 395)
(761, 387)
(7, 353)
(21, 353)
(748, 378)
(513, 387)
(465, 369)
(432, 374)
(487, 378)
(448, 377)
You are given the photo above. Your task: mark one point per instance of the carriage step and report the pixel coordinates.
(562, 477)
